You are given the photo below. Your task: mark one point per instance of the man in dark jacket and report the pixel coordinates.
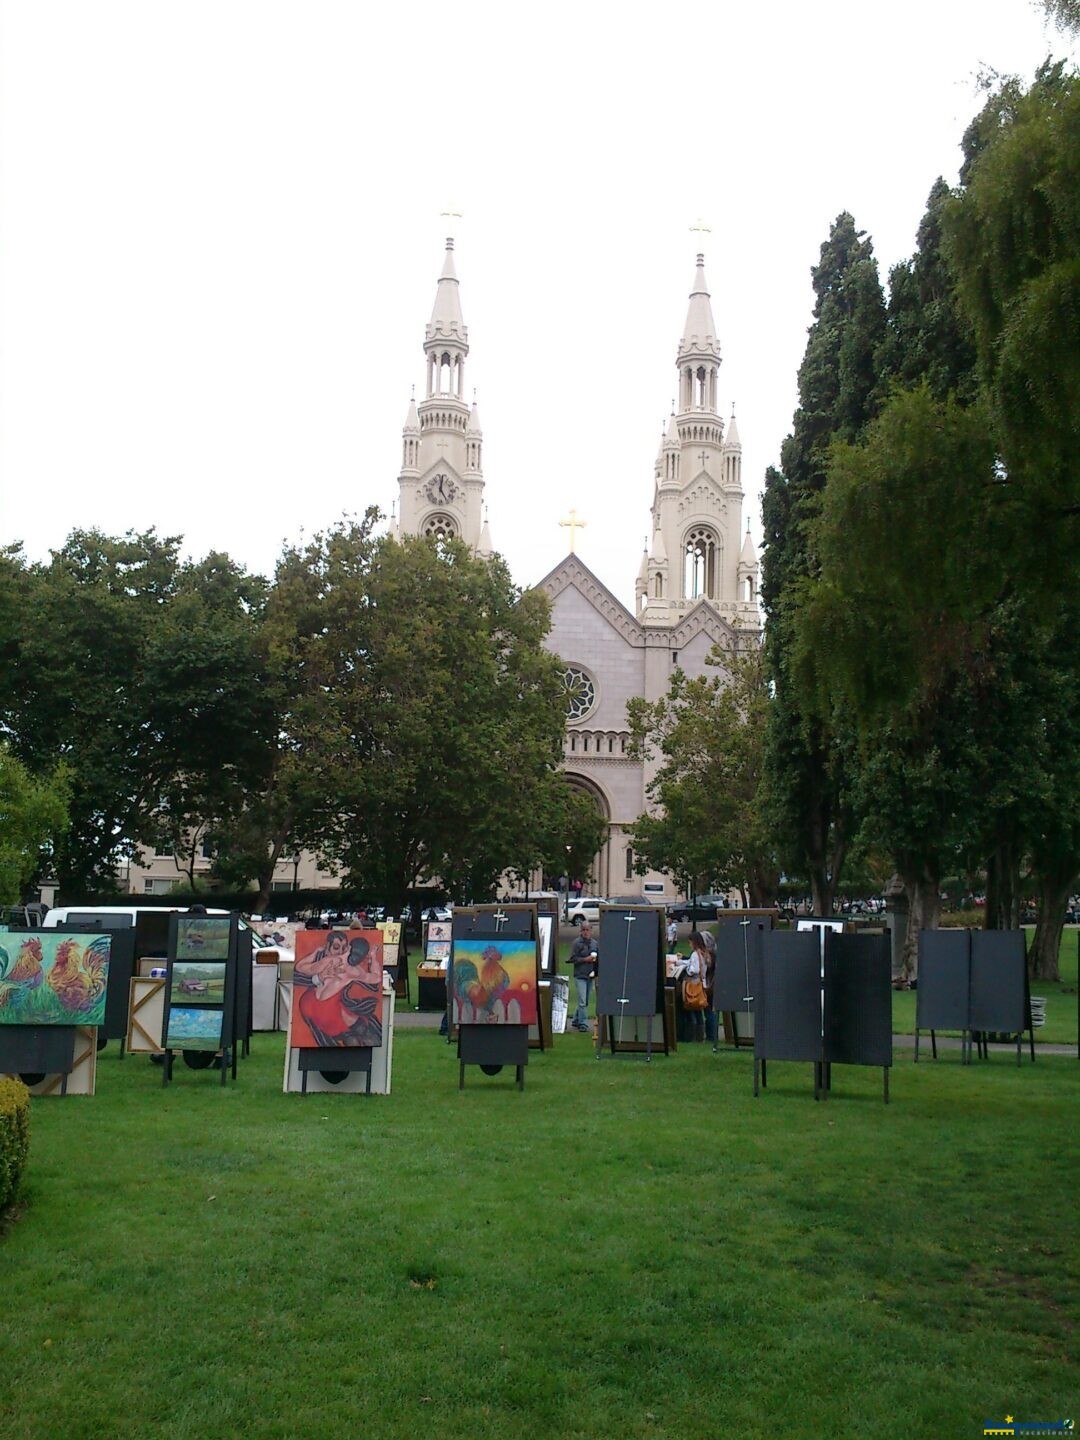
(583, 959)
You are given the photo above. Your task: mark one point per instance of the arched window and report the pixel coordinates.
(440, 528)
(699, 570)
(629, 862)
(658, 587)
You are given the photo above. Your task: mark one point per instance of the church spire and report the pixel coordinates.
(698, 355)
(441, 483)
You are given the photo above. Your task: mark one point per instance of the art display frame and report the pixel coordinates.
(206, 1028)
(631, 973)
(337, 1001)
(54, 977)
(494, 1045)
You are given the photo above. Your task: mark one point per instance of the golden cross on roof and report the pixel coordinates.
(573, 524)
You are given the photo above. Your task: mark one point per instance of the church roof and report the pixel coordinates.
(731, 439)
(446, 322)
(412, 419)
(699, 332)
(748, 555)
(474, 420)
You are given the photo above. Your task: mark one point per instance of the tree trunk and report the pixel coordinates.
(924, 912)
(1054, 891)
(1002, 889)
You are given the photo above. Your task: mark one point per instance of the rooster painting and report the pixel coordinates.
(54, 979)
(494, 982)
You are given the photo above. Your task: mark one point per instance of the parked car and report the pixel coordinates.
(586, 907)
(707, 908)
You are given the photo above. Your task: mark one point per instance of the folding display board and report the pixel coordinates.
(264, 979)
(630, 973)
(831, 1008)
(243, 1019)
(943, 995)
(974, 981)
(37, 1049)
(735, 978)
(1000, 999)
(857, 1024)
(336, 1079)
(79, 1074)
(203, 990)
(492, 985)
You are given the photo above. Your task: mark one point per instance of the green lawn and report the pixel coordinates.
(623, 1250)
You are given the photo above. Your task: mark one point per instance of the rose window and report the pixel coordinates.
(580, 692)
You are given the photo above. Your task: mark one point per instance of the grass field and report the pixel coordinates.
(623, 1250)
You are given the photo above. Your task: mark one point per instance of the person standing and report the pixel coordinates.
(672, 935)
(583, 959)
(710, 972)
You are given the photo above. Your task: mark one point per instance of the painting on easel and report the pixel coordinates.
(494, 982)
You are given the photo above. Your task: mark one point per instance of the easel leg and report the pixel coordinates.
(933, 1043)
(461, 1076)
(1031, 1041)
(521, 1077)
(303, 1082)
(764, 1076)
(757, 1073)
(648, 1039)
(885, 1081)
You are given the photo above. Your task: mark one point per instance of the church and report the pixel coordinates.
(697, 585)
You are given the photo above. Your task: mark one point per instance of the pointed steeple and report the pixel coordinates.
(748, 554)
(699, 340)
(446, 322)
(731, 439)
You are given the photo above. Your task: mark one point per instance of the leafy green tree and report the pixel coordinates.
(809, 756)
(707, 819)
(1012, 232)
(33, 817)
(426, 712)
(78, 691)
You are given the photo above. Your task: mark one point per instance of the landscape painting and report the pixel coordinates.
(193, 1028)
(197, 982)
(337, 989)
(203, 937)
(494, 982)
(47, 978)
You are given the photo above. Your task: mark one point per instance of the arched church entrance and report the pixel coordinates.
(599, 876)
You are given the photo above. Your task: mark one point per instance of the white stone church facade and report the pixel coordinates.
(697, 585)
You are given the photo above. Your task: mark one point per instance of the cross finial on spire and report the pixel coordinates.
(573, 524)
(699, 227)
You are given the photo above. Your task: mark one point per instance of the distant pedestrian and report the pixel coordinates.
(672, 935)
(583, 959)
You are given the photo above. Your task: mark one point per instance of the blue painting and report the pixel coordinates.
(193, 1028)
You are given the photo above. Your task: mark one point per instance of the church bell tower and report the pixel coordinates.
(695, 551)
(441, 484)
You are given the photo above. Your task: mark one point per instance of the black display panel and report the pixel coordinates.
(37, 1049)
(121, 969)
(787, 1024)
(999, 990)
(858, 999)
(942, 1000)
(629, 967)
(738, 961)
(493, 1044)
(334, 1058)
(494, 922)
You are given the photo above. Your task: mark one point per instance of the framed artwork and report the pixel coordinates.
(198, 982)
(391, 932)
(193, 1027)
(337, 989)
(547, 945)
(50, 978)
(203, 937)
(439, 930)
(494, 982)
(438, 950)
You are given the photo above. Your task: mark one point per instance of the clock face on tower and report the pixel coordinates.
(440, 489)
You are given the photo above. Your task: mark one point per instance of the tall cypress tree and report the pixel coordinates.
(808, 758)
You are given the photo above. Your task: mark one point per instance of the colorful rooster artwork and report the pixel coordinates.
(494, 982)
(52, 979)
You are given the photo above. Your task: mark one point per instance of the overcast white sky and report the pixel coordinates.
(220, 234)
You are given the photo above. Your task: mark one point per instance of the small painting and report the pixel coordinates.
(48, 978)
(203, 937)
(198, 982)
(437, 951)
(193, 1028)
(391, 932)
(337, 989)
(494, 982)
(440, 930)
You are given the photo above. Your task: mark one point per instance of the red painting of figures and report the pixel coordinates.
(337, 989)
